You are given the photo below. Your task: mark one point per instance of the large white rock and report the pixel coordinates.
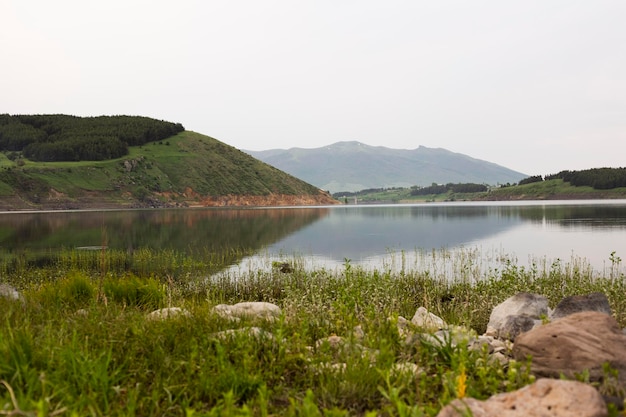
(9, 292)
(427, 320)
(249, 310)
(532, 306)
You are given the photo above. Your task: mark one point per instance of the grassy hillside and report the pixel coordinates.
(555, 189)
(184, 170)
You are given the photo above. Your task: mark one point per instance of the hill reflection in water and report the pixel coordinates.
(186, 230)
(330, 235)
(374, 235)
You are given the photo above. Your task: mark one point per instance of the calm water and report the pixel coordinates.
(392, 236)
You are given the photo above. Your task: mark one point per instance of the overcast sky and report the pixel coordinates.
(537, 86)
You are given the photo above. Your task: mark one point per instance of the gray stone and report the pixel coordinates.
(544, 398)
(526, 304)
(8, 291)
(576, 303)
(405, 327)
(513, 326)
(427, 320)
(249, 310)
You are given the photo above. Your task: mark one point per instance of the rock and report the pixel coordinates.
(168, 313)
(404, 326)
(334, 342)
(482, 342)
(427, 321)
(513, 326)
(452, 336)
(521, 304)
(248, 310)
(573, 344)
(576, 303)
(8, 291)
(544, 398)
(499, 358)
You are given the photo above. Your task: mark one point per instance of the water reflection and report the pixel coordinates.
(182, 230)
(357, 233)
(363, 234)
(524, 232)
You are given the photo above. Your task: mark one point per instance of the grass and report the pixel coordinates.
(550, 189)
(79, 342)
(169, 171)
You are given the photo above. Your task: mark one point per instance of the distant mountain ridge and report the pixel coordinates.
(355, 166)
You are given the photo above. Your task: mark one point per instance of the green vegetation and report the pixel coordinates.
(185, 169)
(79, 341)
(451, 188)
(597, 178)
(532, 188)
(60, 137)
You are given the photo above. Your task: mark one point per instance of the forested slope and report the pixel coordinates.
(60, 162)
(61, 137)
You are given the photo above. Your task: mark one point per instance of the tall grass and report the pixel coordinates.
(63, 351)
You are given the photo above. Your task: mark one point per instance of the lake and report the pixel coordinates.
(373, 236)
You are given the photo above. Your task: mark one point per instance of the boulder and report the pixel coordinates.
(427, 320)
(575, 343)
(513, 326)
(8, 291)
(544, 398)
(576, 303)
(525, 304)
(248, 310)
(404, 326)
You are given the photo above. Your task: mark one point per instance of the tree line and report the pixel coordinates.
(71, 138)
(597, 178)
(455, 188)
(417, 190)
(366, 191)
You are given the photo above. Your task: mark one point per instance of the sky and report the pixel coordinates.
(536, 86)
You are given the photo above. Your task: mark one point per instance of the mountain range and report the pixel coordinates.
(355, 166)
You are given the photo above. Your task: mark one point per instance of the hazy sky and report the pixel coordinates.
(537, 86)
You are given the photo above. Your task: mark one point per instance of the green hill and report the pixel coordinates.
(550, 189)
(186, 169)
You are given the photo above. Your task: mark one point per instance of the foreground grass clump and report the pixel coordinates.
(79, 341)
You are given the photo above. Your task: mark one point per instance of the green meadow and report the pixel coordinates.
(79, 342)
(550, 189)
